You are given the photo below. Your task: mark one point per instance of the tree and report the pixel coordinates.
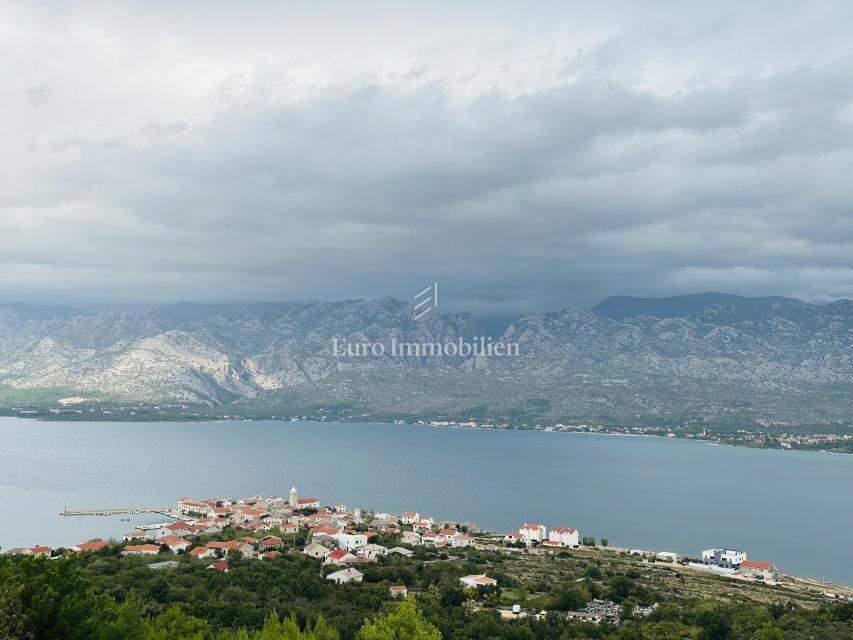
(768, 632)
(605, 542)
(405, 622)
(11, 613)
(571, 597)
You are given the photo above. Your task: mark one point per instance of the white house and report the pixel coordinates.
(315, 550)
(566, 536)
(461, 541)
(175, 543)
(725, 558)
(188, 506)
(410, 537)
(478, 580)
(398, 591)
(346, 575)
(410, 517)
(448, 534)
(532, 532)
(371, 551)
(351, 541)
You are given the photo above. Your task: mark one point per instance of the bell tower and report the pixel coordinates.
(294, 498)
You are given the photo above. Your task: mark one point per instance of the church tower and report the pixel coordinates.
(294, 498)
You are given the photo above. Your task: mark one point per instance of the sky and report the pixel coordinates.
(527, 156)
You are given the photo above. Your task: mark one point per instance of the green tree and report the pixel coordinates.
(174, 624)
(405, 622)
(768, 632)
(11, 613)
(571, 597)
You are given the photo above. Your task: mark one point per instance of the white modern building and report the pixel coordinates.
(350, 541)
(725, 558)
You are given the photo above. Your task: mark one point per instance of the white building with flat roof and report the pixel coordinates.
(725, 558)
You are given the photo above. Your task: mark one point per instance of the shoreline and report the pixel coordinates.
(603, 431)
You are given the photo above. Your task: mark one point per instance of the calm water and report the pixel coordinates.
(651, 493)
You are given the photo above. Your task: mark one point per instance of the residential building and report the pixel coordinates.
(566, 536)
(315, 550)
(478, 580)
(725, 558)
(350, 541)
(398, 591)
(371, 551)
(411, 537)
(92, 545)
(130, 536)
(461, 541)
(757, 569)
(338, 556)
(223, 548)
(270, 542)
(346, 575)
(202, 552)
(410, 517)
(141, 549)
(175, 543)
(532, 532)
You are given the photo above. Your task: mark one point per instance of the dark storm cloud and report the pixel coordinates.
(549, 177)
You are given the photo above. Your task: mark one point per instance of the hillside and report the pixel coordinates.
(713, 357)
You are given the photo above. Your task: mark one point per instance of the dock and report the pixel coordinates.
(112, 512)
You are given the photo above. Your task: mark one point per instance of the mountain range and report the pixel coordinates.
(710, 357)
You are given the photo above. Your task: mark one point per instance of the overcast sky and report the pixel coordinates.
(525, 158)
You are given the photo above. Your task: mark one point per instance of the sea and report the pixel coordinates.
(792, 508)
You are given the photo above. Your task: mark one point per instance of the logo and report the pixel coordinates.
(428, 301)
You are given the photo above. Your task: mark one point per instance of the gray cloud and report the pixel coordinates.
(547, 159)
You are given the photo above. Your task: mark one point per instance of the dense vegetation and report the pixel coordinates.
(105, 596)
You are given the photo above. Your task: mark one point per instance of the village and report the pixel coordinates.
(345, 540)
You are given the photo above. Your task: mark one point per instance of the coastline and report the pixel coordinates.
(677, 433)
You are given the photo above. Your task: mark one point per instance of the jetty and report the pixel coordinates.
(166, 511)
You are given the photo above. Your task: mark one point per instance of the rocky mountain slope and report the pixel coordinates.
(705, 356)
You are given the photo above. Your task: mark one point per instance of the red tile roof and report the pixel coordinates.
(142, 547)
(755, 564)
